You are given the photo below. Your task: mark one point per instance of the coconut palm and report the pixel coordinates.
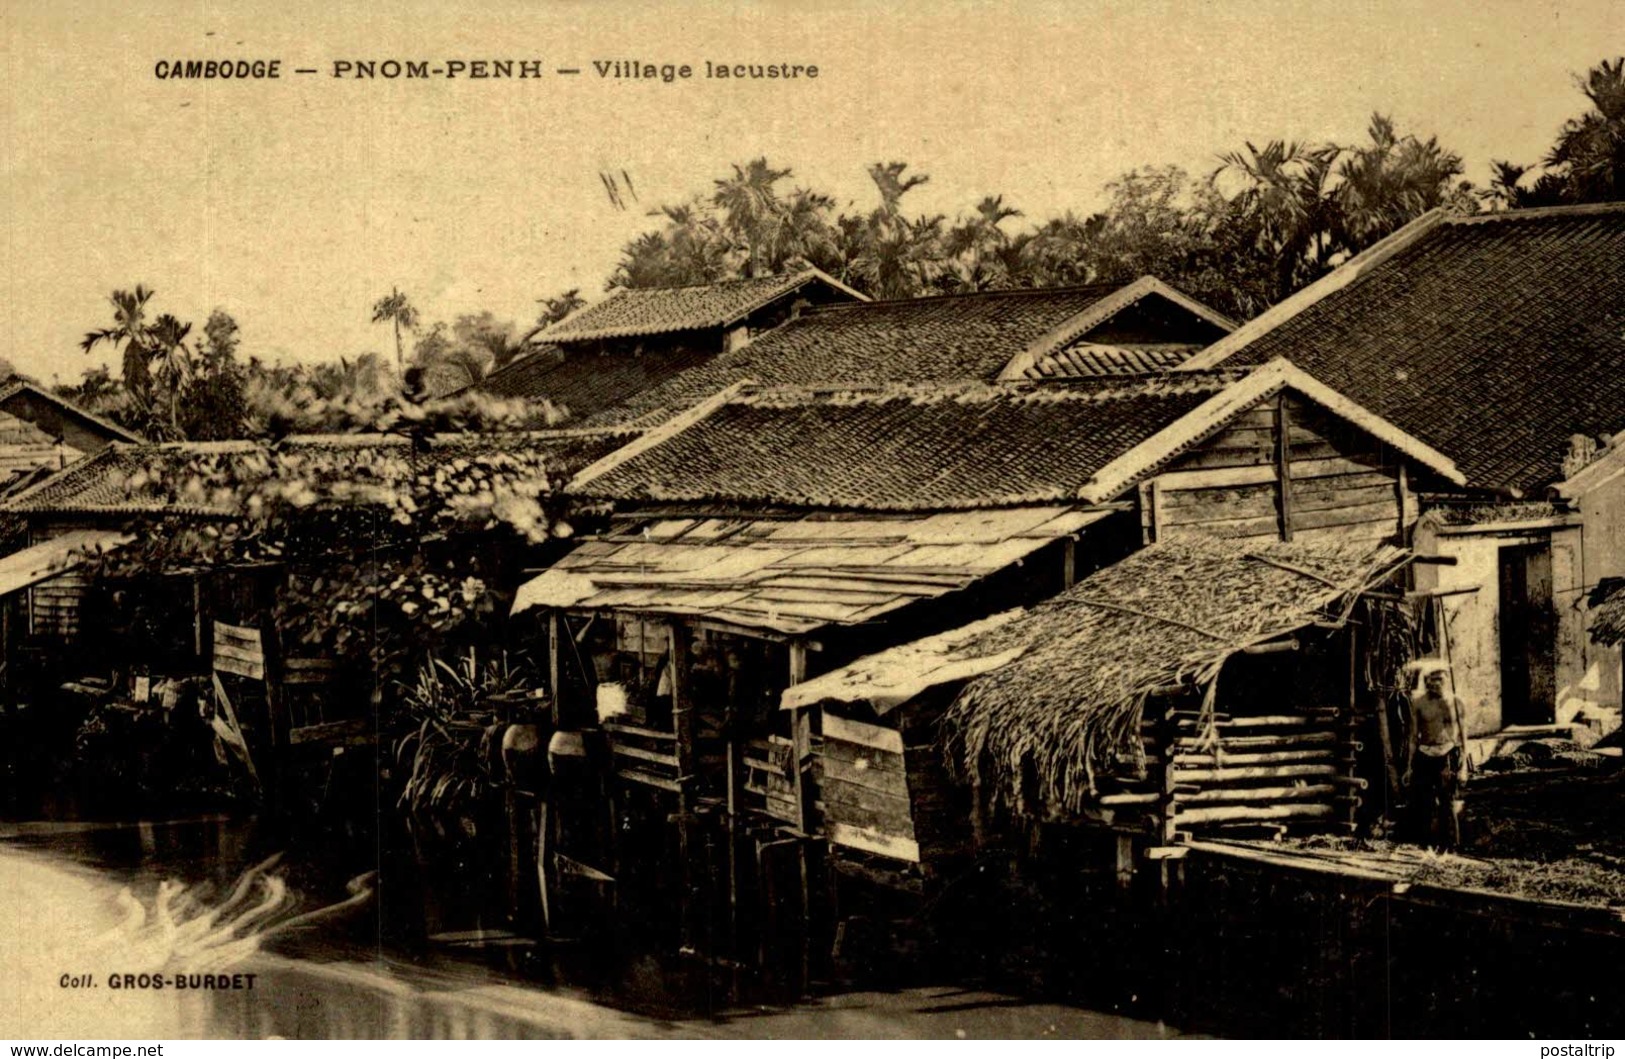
(396, 309)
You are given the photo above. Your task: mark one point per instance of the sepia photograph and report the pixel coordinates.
(665, 520)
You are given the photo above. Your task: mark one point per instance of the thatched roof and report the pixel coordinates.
(1069, 707)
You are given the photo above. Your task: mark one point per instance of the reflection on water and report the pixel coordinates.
(135, 952)
(269, 946)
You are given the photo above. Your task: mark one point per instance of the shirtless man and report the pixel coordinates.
(1436, 758)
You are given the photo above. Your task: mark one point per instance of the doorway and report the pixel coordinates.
(1528, 663)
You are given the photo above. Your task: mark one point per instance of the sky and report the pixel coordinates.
(294, 204)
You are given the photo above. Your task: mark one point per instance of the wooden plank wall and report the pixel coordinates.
(1340, 482)
(55, 605)
(866, 797)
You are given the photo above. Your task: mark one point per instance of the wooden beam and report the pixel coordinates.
(555, 668)
(800, 743)
(1283, 462)
(1402, 492)
(682, 716)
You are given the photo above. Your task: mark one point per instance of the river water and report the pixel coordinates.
(94, 916)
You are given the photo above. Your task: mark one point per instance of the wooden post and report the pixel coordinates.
(801, 742)
(800, 763)
(1402, 488)
(1069, 562)
(1354, 669)
(1148, 514)
(682, 718)
(199, 643)
(1283, 462)
(555, 668)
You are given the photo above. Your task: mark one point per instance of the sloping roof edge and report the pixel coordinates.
(16, 386)
(1211, 416)
(1103, 310)
(657, 436)
(559, 333)
(1346, 274)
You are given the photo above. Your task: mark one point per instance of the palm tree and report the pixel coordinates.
(129, 330)
(1590, 149)
(893, 185)
(901, 258)
(801, 230)
(1285, 198)
(172, 362)
(1503, 192)
(691, 249)
(1392, 180)
(556, 309)
(1059, 252)
(395, 308)
(975, 247)
(751, 209)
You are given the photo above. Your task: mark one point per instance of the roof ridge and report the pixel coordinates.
(1006, 292)
(1538, 213)
(1093, 388)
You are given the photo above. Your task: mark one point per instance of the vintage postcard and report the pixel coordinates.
(803, 520)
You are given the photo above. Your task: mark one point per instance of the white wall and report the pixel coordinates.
(1475, 649)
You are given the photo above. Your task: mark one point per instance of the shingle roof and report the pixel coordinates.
(585, 383)
(793, 575)
(127, 479)
(901, 448)
(1492, 338)
(945, 338)
(654, 311)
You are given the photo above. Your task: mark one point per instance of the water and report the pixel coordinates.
(92, 915)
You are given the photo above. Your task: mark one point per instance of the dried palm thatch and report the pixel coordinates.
(1069, 708)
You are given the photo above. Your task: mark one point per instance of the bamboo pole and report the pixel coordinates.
(682, 716)
(1256, 794)
(1282, 742)
(1240, 813)
(1280, 772)
(1265, 721)
(1269, 757)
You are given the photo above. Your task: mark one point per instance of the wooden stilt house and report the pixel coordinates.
(1198, 686)
(769, 536)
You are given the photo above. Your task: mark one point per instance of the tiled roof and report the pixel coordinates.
(901, 448)
(1088, 358)
(793, 575)
(583, 382)
(952, 337)
(158, 479)
(655, 311)
(1492, 338)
